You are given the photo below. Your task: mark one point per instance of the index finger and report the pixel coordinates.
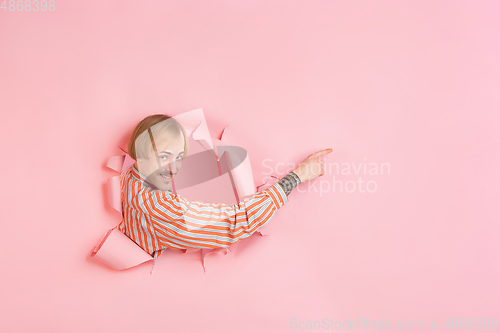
(322, 152)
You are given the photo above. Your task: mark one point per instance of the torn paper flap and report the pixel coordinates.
(238, 162)
(114, 193)
(239, 165)
(119, 252)
(267, 182)
(195, 124)
(116, 163)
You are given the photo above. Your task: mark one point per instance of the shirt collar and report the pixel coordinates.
(140, 177)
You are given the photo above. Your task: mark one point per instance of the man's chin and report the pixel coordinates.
(164, 186)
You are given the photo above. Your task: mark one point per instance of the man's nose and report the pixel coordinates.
(174, 167)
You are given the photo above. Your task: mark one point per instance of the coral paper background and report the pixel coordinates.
(413, 84)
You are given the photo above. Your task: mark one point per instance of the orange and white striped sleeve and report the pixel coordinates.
(179, 223)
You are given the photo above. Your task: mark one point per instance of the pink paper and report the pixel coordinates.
(114, 195)
(240, 169)
(119, 252)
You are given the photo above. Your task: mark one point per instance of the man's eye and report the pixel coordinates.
(179, 157)
(163, 157)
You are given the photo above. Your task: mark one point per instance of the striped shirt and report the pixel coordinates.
(157, 219)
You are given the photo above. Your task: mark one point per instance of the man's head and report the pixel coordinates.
(158, 144)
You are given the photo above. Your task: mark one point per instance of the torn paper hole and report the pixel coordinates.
(233, 173)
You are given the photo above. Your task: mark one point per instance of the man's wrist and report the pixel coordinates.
(289, 182)
(297, 173)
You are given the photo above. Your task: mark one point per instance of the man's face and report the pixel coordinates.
(160, 170)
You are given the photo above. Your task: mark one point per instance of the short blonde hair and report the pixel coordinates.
(160, 126)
